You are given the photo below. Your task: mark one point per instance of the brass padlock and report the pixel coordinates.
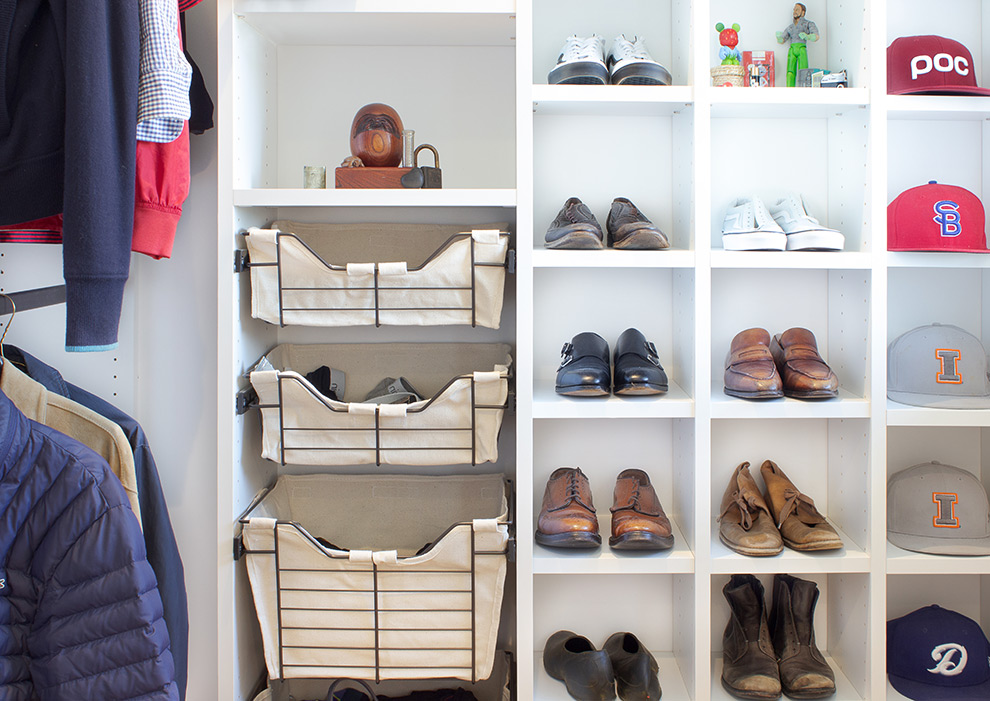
(423, 176)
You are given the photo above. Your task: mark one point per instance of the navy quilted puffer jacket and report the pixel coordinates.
(80, 614)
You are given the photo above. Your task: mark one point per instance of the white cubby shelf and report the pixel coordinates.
(472, 80)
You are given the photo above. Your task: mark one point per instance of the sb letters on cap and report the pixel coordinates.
(936, 217)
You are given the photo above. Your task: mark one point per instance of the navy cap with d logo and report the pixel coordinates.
(934, 654)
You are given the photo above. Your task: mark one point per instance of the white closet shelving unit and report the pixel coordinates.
(471, 79)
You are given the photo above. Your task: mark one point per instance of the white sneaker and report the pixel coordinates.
(748, 226)
(804, 232)
(581, 62)
(630, 63)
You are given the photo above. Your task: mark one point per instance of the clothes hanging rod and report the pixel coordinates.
(33, 299)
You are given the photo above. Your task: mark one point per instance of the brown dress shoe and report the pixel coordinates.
(567, 518)
(806, 375)
(638, 520)
(800, 523)
(745, 524)
(750, 372)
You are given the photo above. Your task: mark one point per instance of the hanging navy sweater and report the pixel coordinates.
(68, 110)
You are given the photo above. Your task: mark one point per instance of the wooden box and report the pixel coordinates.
(369, 177)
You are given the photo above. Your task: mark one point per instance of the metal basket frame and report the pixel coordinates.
(378, 307)
(372, 567)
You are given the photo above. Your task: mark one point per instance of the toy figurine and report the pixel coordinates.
(729, 39)
(799, 33)
(376, 137)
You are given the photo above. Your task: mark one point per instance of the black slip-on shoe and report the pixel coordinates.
(627, 227)
(635, 668)
(585, 671)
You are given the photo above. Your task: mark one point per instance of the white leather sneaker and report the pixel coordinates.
(581, 62)
(748, 226)
(803, 231)
(630, 63)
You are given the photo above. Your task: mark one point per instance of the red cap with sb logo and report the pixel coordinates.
(931, 64)
(936, 217)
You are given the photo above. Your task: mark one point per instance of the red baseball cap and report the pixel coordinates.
(931, 64)
(936, 217)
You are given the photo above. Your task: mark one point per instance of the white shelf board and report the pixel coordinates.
(612, 258)
(931, 259)
(298, 197)
(549, 689)
(845, 406)
(851, 558)
(832, 260)
(900, 561)
(930, 107)
(844, 690)
(381, 22)
(547, 404)
(607, 100)
(904, 415)
(604, 560)
(784, 103)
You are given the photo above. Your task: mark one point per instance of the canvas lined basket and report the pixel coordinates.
(465, 388)
(378, 274)
(407, 585)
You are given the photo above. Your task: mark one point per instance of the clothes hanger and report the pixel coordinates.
(13, 311)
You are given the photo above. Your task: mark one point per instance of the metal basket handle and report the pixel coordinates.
(333, 687)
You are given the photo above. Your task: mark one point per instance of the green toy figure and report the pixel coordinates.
(799, 33)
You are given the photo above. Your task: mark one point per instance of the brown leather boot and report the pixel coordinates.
(750, 372)
(800, 523)
(749, 665)
(806, 375)
(568, 518)
(804, 673)
(745, 524)
(638, 520)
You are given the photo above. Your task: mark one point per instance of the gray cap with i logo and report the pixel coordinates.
(938, 365)
(938, 509)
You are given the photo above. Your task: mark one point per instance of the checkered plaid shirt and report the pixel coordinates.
(163, 87)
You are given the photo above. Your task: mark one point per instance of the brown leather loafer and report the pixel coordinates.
(745, 523)
(800, 523)
(638, 520)
(806, 375)
(567, 518)
(750, 372)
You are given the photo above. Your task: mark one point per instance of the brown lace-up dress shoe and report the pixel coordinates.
(750, 372)
(745, 523)
(638, 520)
(800, 523)
(567, 518)
(804, 673)
(627, 227)
(806, 375)
(749, 665)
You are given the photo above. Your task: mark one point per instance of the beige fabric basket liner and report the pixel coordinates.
(308, 258)
(381, 519)
(427, 366)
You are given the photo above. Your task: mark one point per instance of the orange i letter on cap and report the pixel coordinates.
(951, 376)
(945, 501)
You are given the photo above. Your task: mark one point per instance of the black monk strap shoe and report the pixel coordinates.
(637, 366)
(584, 367)
(586, 672)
